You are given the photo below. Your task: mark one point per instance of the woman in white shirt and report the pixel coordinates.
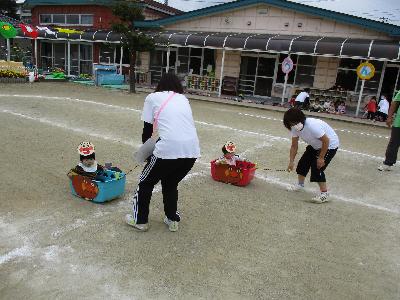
(383, 109)
(322, 146)
(174, 155)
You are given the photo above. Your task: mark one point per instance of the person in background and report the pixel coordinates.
(302, 99)
(341, 110)
(370, 107)
(383, 109)
(394, 142)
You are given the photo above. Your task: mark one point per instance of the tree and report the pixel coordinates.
(133, 40)
(8, 8)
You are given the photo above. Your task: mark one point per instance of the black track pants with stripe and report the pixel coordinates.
(309, 161)
(170, 172)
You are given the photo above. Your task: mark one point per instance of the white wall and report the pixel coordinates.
(269, 19)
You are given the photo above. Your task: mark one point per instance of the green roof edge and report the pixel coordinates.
(390, 29)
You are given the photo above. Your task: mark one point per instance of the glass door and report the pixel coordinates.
(59, 55)
(172, 61)
(391, 81)
(265, 76)
(74, 59)
(247, 76)
(257, 74)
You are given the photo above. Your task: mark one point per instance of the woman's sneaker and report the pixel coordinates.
(384, 168)
(172, 225)
(131, 221)
(295, 188)
(321, 198)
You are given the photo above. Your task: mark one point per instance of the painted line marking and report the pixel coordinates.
(113, 139)
(379, 158)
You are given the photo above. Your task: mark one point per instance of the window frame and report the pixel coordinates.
(65, 19)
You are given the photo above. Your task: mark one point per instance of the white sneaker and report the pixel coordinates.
(131, 221)
(321, 198)
(385, 168)
(172, 225)
(295, 188)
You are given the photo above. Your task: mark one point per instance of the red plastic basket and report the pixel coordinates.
(239, 175)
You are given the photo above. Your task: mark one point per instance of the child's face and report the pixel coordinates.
(229, 155)
(88, 162)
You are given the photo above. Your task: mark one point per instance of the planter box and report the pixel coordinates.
(12, 80)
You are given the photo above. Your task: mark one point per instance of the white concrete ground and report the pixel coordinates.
(257, 242)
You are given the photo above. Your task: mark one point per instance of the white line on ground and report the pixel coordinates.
(23, 251)
(337, 129)
(198, 122)
(110, 138)
(272, 137)
(137, 110)
(72, 99)
(65, 127)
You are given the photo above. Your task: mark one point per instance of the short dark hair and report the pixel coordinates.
(82, 157)
(307, 90)
(224, 151)
(169, 82)
(292, 117)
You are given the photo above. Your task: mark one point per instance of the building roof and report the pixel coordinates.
(390, 29)
(148, 3)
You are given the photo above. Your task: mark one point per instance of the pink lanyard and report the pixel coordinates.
(159, 111)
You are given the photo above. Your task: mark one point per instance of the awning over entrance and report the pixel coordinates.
(310, 45)
(325, 46)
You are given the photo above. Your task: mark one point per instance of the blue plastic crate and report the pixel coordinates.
(106, 191)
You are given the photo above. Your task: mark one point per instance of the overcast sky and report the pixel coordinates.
(371, 9)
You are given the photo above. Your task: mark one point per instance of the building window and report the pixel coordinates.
(86, 59)
(46, 19)
(59, 19)
(347, 76)
(72, 19)
(86, 20)
(348, 80)
(46, 53)
(106, 54)
(303, 70)
(66, 19)
(196, 60)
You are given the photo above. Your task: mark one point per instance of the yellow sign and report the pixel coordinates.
(66, 30)
(366, 71)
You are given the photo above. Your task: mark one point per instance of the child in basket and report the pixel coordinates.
(88, 165)
(229, 157)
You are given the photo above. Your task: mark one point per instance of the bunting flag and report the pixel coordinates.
(65, 30)
(29, 31)
(7, 31)
(47, 30)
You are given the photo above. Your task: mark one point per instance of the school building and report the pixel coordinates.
(237, 48)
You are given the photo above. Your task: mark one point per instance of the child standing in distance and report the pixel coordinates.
(322, 146)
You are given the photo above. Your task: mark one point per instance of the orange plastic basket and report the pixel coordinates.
(239, 175)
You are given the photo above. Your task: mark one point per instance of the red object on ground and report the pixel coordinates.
(239, 175)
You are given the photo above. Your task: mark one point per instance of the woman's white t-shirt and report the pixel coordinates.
(175, 126)
(313, 130)
(384, 106)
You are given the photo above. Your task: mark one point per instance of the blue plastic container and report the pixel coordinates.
(108, 190)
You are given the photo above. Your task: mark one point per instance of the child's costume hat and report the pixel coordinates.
(230, 147)
(85, 149)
